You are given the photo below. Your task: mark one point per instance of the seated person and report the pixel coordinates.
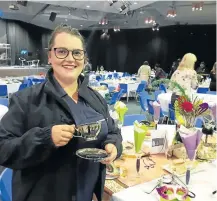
(174, 67)
(202, 68)
(159, 72)
(185, 75)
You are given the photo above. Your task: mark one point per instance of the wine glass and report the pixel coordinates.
(139, 137)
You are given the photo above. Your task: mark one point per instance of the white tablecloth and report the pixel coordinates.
(12, 88)
(3, 111)
(201, 183)
(165, 99)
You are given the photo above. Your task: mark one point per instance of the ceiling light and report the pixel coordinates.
(197, 6)
(149, 20)
(105, 35)
(88, 6)
(81, 25)
(103, 21)
(171, 13)
(156, 27)
(116, 28)
(135, 3)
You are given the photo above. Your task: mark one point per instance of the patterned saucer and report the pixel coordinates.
(92, 154)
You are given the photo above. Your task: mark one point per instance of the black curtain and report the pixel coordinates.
(44, 49)
(23, 36)
(128, 49)
(125, 50)
(3, 35)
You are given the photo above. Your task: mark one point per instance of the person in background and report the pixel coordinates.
(36, 134)
(102, 69)
(174, 67)
(159, 72)
(212, 86)
(87, 68)
(144, 72)
(185, 75)
(202, 68)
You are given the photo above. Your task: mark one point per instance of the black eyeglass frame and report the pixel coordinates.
(55, 48)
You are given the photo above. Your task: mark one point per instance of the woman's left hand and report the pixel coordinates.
(112, 152)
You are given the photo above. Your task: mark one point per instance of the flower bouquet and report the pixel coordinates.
(187, 110)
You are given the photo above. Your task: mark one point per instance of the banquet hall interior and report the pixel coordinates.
(154, 64)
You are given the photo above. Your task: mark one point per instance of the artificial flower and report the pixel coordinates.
(187, 106)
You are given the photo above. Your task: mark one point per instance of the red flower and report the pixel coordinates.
(187, 106)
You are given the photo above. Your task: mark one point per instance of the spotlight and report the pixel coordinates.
(105, 35)
(197, 6)
(111, 2)
(156, 27)
(103, 21)
(122, 8)
(171, 13)
(149, 20)
(116, 29)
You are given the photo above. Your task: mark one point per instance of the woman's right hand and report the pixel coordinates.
(62, 134)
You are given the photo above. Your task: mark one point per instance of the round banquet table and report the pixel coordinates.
(3, 111)
(165, 99)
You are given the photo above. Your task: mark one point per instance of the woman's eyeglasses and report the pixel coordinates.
(62, 53)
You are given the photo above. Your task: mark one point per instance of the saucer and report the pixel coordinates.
(92, 154)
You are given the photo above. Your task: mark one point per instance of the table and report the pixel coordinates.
(113, 186)
(120, 191)
(12, 87)
(3, 111)
(201, 183)
(165, 99)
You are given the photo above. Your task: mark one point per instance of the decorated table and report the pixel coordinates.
(168, 161)
(128, 187)
(3, 111)
(203, 184)
(165, 99)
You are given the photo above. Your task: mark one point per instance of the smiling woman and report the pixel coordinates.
(36, 134)
(66, 54)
